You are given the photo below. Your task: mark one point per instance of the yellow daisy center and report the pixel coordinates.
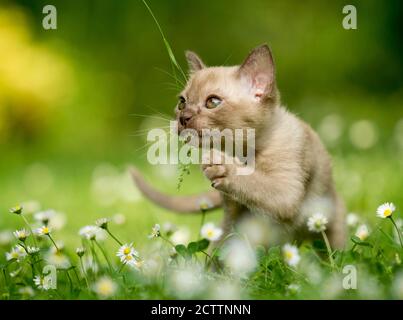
(387, 212)
(126, 250)
(105, 288)
(45, 230)
(129, 257)
(210, 233)
(288, 255)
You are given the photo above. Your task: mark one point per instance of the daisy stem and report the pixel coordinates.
(84, 273)
(94, 254)
(203, 217)
(211, 259)
(397, 230)
(105, 256)
(121, 268)
(114, 238)
(54, 243)
(30, 229)
(329, 250)
(167, 240)
(70, 282)
(5, 276)
(76, 275)
(31, 262)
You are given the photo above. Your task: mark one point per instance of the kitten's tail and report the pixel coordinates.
(183, 204)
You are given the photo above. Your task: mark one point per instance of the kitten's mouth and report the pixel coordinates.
(193, 131)
(181, 128)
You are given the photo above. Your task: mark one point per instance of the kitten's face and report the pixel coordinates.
(226, 97)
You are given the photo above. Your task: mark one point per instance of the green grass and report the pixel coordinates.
(66, 182)
(363, 182)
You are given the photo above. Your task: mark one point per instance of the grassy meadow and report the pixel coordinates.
(75, 107)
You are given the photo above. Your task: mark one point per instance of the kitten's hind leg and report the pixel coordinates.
(337, 229)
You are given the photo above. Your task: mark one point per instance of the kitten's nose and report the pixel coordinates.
(184, 118)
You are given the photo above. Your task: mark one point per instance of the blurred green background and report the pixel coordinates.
(75, 102)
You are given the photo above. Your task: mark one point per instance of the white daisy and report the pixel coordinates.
(155, 231)
(44, 216)
(41, 283)
(211, 232)
(43, 231)
(80, 251)
(6, 237)
(17, 253)
(181, 236)
(58, 259)
(362, 232)
(31, 206)
(385, 210)
(119, 219)
(32, 250)
(205, 204)
(51, 218)
(16, 210)
(102, 223)
(317, 223)
(186, 282)
(291, 255)
(58, 221)
(21, 234)
(92, 233)
(239, 257)
(352, 219)
(126, 250)
(105, 287)
(131, 261)
(169, 228)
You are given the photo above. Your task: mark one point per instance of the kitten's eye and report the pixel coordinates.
(181, 103)
(213, 102)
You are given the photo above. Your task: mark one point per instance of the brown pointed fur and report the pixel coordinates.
(293, 171)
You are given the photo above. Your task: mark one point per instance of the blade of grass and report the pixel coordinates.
(166, 43)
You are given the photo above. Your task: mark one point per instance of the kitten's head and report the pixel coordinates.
(228, 97)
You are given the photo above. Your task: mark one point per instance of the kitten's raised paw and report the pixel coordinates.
(215, 171)
(218, 168)
(218, 175)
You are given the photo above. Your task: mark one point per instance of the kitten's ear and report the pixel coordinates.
(258, 71)
(195, 63)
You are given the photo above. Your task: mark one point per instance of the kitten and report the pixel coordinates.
(293, 175)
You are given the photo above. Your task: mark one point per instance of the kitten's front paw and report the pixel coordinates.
(217, 174)
(219, 169)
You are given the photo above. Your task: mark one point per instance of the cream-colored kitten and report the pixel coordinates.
(293, 175)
